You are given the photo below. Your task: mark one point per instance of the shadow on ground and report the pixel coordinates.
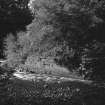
(15, 91)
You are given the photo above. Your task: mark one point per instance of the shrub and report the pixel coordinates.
(16, 49)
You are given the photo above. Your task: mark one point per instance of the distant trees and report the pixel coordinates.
(70, 31)
(14, 16)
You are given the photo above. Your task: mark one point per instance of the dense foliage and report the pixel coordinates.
(69, 31)
(14, 16)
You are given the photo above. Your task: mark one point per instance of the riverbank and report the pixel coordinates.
(43, 89)
(17, 91)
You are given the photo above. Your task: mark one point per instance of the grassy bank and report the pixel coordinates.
(23, 92)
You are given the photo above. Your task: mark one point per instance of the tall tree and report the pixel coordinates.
(71, 26)
(70, 31)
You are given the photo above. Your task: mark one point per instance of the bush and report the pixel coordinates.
(16, 49)
(41, 67)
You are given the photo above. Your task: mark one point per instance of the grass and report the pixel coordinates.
(23, 92)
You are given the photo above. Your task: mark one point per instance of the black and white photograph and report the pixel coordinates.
(52, 52)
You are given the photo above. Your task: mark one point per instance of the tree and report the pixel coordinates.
(14, 16)
(11, 50)
(76, 22)
(69, 32)
(17, 49)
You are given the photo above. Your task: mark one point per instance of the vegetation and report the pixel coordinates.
(65, 36)
(14, 16)
(71, 32)
(19, 92)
